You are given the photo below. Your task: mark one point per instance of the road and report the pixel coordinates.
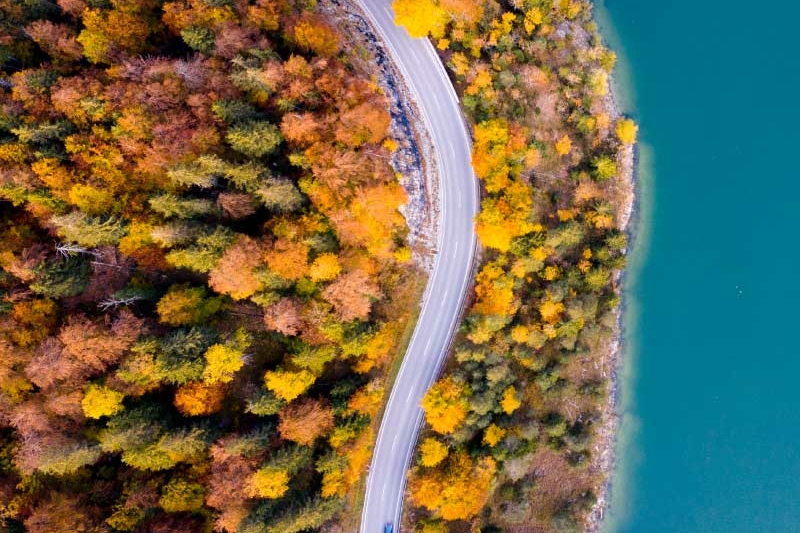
(444, 295)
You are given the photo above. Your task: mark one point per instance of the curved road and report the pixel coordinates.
(444, 296)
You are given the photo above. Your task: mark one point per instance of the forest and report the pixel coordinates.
(516, 423)
(204, 275)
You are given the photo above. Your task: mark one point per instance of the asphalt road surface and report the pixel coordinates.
(444, 296)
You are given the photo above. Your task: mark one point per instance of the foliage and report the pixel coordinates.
(199, 242)
(100, 401)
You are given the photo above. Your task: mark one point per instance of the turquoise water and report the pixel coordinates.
(711, 435)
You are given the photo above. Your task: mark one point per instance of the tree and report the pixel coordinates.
(88, 231)
(284, 316)
(222, 361)
(171, 205)
(445, 405)
(313, 33)
(288, 259)
(269, 482)
(420, 17)
(605, 167)
(198, 398)
(255, 139)
(564, 145)
(352, 294)
(626, 131)
(186, 306)
(432, 452)
(510, 402)
(457, 491)
(288, 385)
(180, 495)
(304, 421)
(234, 273)
(99, 401)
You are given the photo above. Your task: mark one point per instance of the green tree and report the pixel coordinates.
(89, 231)
(61, 278)
(180, 495)
(255, 139)
(171, 205)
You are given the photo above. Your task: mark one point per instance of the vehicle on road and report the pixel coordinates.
(388, 527)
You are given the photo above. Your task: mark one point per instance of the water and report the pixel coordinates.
(711, 434)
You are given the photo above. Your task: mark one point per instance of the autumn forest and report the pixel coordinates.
(205, 281)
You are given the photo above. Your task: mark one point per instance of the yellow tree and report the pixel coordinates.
(420, 17)
(288, 385)
(269, 482)
(432, 452)
(99, 401)
(627, 130)
(458, 491)
(445, 405)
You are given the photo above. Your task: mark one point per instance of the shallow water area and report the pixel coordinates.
(709, 430)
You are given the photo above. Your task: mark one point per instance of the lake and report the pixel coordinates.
(711, 429)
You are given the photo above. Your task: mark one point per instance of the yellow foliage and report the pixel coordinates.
(481, 81)
(91, 200)
(533, 17)
(367, 399)
(325, 267)
(402, 255)
(564, 145)
(432, 452)
(445, 405)
(458, 493)
(495, 292)
(551, 273)
(551, 311)
(333, 484)
(268, 482)
(506, 217)
(627, 130)
(598, 82)
(460, 63)
(540, 253)
(99, 401)
(390, 144)
(221, 363)
(420, 17)
(288, 385)
(565, 214)
(493, 434)
(510, 402)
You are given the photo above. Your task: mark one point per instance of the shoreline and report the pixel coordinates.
(629, 218)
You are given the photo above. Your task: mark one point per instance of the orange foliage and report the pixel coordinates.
(352, 294)
(197, 398)
(303, 422)
(234, 274)
(314, 34)
(458, 491)
(288, 259)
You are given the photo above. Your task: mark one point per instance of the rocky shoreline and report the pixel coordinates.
(605, 449)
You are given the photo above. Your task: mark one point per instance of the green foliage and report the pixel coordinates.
(87, 230)
(170, 205)
(254, 138)
(234, 111)
(61, 278)
(180, 495)
(199, 38)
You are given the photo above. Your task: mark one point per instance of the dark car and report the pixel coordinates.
(388, 527)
